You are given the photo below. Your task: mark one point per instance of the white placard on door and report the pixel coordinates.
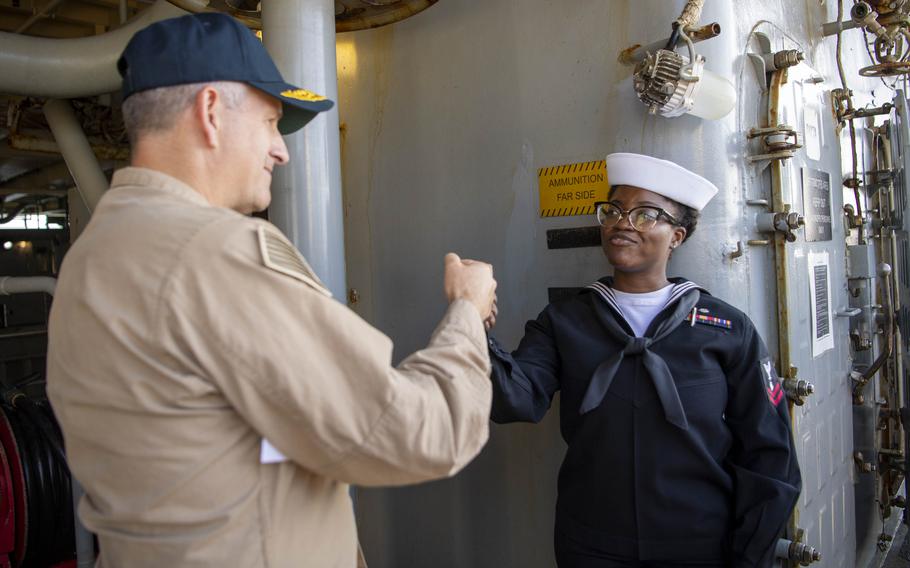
(820, 303)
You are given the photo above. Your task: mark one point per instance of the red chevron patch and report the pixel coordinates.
(775, 394)
(772, 383)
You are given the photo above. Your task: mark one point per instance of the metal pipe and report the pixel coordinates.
(778, 79)
(306, 194)
(873, 111)
(897, 338)
(634, 54)
(37, 16)
(91, 182)
(25, 284)
(832, 28)
(70, 68)
(687, 71)
(347, 20)
(847, 95)
(886, 274)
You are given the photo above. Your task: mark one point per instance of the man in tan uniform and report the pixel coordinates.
(185, 333)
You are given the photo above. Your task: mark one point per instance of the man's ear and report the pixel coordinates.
(207, 110)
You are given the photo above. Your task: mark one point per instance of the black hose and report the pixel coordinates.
(50, 537)
(674, 37)
(13, 214)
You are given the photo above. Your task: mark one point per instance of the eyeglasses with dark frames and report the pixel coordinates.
(642, 218)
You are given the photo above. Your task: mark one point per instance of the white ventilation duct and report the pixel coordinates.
(69, 68)
(24, 284)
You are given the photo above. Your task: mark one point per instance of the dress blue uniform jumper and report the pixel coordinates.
(692, 463)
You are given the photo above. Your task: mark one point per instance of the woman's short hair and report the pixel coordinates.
(687, 217)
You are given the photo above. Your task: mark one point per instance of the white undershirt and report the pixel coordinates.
(641, 309)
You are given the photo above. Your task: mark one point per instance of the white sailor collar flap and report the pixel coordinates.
(279, 254)
(604, 289)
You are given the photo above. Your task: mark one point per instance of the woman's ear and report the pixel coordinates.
(678, 236)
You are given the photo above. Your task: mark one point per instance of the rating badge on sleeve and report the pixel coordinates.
(772, 383)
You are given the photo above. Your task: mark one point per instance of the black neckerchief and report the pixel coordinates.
(687, 296)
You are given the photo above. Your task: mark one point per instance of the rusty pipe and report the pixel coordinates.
(250, 19)
(354, 22)
(635, 53)
(873, 111)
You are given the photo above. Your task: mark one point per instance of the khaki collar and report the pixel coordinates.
(154, 180)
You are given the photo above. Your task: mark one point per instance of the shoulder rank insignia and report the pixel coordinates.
(281, 256)
(694, 317)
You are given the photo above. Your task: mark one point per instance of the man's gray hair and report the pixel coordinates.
(158, 109)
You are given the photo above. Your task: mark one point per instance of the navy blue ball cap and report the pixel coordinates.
(202, 48)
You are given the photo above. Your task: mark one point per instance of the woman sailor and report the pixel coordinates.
(679, 444)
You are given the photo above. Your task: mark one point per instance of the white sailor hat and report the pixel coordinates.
(660, 176)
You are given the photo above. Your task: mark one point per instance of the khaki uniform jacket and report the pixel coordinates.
(183, 334)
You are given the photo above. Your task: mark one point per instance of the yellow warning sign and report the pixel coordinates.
(572, 189)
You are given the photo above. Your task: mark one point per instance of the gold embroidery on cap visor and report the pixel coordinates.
(303, 95)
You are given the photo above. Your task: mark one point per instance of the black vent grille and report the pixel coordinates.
(903, 265)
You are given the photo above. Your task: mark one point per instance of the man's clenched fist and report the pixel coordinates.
(470, 280)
